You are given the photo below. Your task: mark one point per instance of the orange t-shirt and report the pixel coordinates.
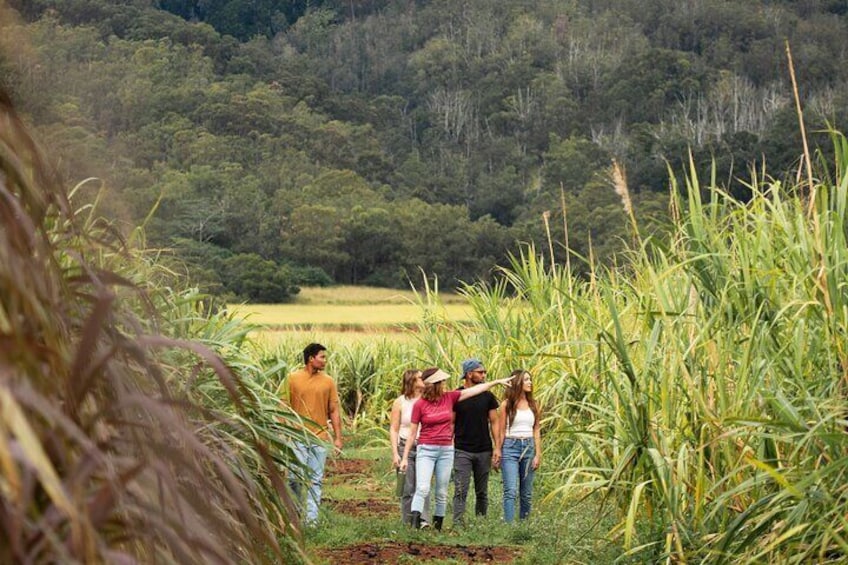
(312, 396)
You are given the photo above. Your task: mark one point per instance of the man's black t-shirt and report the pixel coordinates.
(471, 428)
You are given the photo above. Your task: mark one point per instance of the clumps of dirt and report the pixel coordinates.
(371, 507)
(392, 552)
(348, 467)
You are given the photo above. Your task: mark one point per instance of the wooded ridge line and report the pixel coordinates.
(282, 144)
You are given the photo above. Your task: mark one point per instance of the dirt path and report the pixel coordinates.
(400, 552)
(340, 474)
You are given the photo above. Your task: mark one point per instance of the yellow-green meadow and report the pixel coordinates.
(360, 309)
(348, 294)
(270, 339)
(353, 316)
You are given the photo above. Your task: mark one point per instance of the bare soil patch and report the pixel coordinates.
(348, 467)
(371, 507)
(391, 552)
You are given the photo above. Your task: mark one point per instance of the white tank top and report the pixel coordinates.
(405, 416)
(522, 425)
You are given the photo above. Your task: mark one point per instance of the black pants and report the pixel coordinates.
(466, 463)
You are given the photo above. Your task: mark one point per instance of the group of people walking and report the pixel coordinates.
(436, 432)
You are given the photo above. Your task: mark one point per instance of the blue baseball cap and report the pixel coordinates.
(471, 364)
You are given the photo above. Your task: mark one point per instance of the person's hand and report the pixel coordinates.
(537, 460)
(395, 460)
(496, 459)
(403, 465)
(505, 381)
(337, 443)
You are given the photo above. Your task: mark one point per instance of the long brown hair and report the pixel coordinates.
(513, 395)
(432, 392)
(408, 382)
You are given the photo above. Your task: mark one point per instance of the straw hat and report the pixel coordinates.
(437, 377)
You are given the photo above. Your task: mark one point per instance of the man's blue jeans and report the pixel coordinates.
(517, 471)
(432, 460)
(313, 456)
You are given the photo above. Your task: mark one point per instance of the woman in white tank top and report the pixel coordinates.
(411, 389)
(519, 449)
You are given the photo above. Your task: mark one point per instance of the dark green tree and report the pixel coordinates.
(250, 277)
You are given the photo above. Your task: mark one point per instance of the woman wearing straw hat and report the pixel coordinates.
(433, 414)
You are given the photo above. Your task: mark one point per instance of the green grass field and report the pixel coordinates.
(347, 294)
(270, 339)
(555, 533)
(364, 309)
(353, 316)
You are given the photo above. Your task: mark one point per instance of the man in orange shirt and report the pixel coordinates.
(313, 395)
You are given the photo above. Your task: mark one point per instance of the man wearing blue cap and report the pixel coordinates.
(474, 428)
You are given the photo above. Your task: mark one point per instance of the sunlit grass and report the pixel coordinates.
(331, 339)
(346, 316)
(347, 294)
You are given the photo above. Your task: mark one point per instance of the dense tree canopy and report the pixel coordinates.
(357, 141)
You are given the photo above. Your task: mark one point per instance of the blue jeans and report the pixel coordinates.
(313, 456)
(517, 471)
(432, 460)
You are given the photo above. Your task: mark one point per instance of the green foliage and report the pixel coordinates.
(255, 279)
(258, 126)
(698, 388)
(702, 391)
(309, 276)
(108, 453)
(572, 163)
(655, 79)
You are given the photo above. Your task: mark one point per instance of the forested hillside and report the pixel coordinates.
(271, 143)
